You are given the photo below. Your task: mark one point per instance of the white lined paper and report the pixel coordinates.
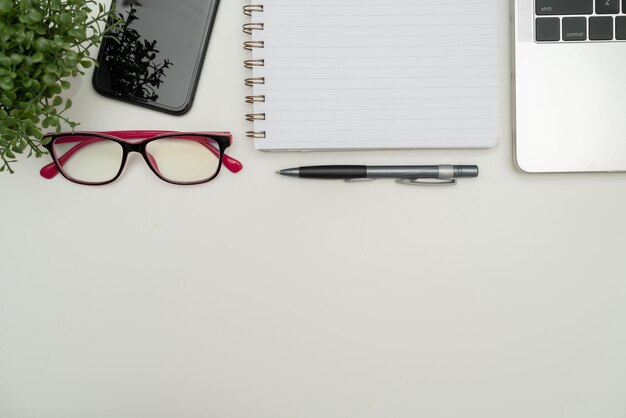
(351, 74)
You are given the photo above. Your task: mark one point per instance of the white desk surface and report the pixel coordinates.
(260, 296)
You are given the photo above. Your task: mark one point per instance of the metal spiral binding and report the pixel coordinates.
(251, 117)
(248, 10)
(254, 81)
(255, 99)
(251, 27)
(250, 45)
(255, 134)
(250, 64)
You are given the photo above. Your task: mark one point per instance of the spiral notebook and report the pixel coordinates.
(371, 74)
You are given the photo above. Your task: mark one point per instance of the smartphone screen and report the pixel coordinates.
(153, 55)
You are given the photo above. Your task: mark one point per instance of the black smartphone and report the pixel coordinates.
(153, 54)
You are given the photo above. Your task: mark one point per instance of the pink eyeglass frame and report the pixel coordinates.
(136, 141)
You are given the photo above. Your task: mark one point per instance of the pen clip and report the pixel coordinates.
(427, 182)
(359, 180)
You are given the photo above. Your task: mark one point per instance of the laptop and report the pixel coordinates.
(570, 85)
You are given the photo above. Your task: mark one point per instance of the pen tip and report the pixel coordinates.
(289, 172)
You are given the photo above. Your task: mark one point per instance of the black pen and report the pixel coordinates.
(404, 174)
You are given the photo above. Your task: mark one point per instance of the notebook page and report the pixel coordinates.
(351, 74)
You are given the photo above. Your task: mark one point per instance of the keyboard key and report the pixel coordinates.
(607, 7)
(620, 28)
(564, 7)
(574, 28)
(547, 29)
(601, 28)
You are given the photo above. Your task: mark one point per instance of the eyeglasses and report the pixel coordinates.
(96, 158)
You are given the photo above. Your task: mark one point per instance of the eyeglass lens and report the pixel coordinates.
(88, 159)
(185, 159)
(179, 159)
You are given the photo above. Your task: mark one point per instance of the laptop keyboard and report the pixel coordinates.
(580, 20)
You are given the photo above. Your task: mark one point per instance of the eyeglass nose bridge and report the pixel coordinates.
(138, 147)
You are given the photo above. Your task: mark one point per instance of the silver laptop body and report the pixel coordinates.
(570, 85)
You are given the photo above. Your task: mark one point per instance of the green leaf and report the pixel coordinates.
(37, 57)
(65, 19)
(42, 43)
(35, 15)
(6, 84)
(55, 89)
(48, 79)
(51, 68)
(16, 58)
(68, 104)
(6, 6)
(65, 85)
(86, 63)
(57, 101)
(4, 99)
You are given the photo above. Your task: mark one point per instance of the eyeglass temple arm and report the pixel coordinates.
(50, 170)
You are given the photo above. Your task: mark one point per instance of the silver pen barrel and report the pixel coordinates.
(425, 171)
(403, 171)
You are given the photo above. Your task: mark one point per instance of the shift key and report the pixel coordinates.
(563, 7)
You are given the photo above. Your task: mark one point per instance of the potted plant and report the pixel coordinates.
(43, 43)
